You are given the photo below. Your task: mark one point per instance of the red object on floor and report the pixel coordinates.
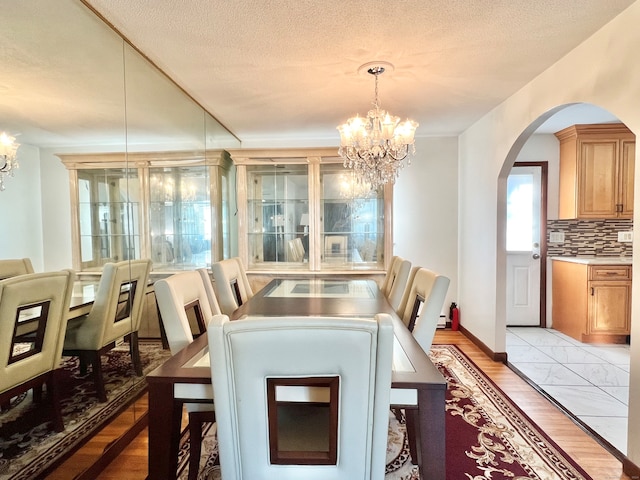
(454, 315)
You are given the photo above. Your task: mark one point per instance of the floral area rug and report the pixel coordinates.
(29, 447)
(488, 437)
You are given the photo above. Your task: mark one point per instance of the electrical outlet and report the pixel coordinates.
(556, 237)
(625, 237)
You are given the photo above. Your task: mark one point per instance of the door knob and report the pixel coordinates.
(536, 256)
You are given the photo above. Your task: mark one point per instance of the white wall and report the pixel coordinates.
(601, 71)
(20, 210)
(56, 212)
(426, 210)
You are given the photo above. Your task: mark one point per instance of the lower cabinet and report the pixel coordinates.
(592, 303)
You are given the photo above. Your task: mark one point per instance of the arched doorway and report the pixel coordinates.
(590, 383)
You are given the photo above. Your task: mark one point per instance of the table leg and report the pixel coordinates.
(431, 430)
(165, 417)
(413, 435)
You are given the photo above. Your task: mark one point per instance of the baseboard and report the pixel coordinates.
(495, 356)
(631, 469)
(114, 449)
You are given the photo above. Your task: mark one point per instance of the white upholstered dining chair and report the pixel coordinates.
(231, 284)
(301, 397)
(116, 313)
(13, 267)
(30, 360)
(179, 297)
(395, 281)
(422, 304)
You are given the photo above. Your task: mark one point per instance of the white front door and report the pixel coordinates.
(523, 246)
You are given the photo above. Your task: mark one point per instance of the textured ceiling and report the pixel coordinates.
(275, 72)
(286, 70)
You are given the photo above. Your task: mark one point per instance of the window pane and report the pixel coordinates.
(520, 212)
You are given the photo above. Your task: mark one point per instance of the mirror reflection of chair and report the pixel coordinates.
(116, 313)
(395, 281)
(15, 266)
(335, 248)
(179, 297)
(39, 301)
(231, 284)
(296, 250)
(302, 397)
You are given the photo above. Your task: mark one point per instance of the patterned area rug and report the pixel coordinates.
(29, 447)
(488, 436)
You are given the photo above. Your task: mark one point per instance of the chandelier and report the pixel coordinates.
(8, 162)
(375, 146)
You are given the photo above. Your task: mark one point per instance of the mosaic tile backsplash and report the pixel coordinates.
(589, 238)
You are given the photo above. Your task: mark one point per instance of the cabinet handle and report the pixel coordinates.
(592, 291)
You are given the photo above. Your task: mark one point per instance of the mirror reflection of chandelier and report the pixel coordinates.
(351, 188)
(355, 190)
(375, 146)
(8, 162)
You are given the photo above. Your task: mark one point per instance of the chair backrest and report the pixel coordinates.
(179, 296)
(395, 282)
(117, 308)
(33, 318)
(296, 250)
(232, 284)
(269, 373)
(424, 296)
(15, 266)
(335, 247)
(211, 294)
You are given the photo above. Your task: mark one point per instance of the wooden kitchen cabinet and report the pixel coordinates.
(596, 171)
(592, 303)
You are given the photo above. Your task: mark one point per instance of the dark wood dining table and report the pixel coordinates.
(417, 385)
(82, 297)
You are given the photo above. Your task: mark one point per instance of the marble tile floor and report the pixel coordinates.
(590, 381)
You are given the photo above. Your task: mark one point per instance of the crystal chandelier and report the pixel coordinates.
(8, 162)
(375, 147)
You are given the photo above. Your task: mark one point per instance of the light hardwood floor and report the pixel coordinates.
(596, 461)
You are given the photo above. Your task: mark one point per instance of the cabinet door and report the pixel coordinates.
(609, 307)
(627, 169)
(598, 179)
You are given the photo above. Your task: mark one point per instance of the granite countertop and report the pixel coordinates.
(596, 260)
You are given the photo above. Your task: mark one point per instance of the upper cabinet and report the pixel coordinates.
(171, 207)
(301, 210)
(596, 171)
